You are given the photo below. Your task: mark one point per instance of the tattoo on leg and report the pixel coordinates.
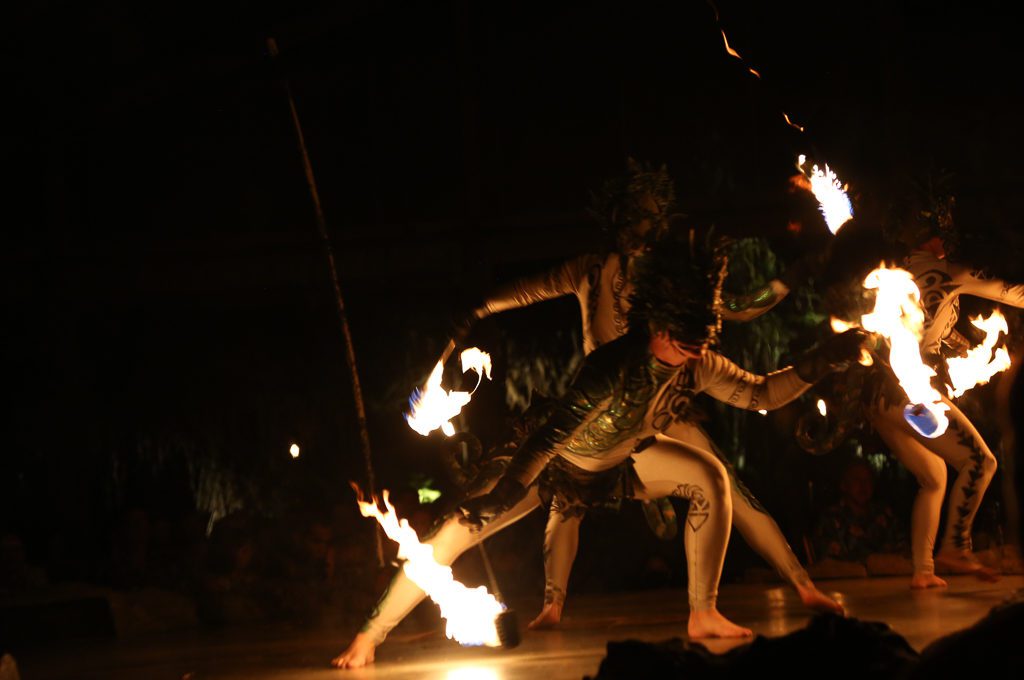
(700, 507)
(553, 593)
(961, 531)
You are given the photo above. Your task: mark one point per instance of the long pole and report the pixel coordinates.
(350, 353)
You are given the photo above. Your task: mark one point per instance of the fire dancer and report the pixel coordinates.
(941, 283)
(607, 436)
(636, 210)
(926, 234)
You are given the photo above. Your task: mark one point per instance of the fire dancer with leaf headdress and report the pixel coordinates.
(925, 228)
(941, 282)
(612, 433)
(634, 211)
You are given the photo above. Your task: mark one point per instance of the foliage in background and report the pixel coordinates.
(760, 345)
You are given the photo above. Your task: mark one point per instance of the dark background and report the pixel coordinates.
(169, 324)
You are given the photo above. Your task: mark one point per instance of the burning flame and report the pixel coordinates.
(474, 359)
(433, 407)
(469, 612)
(822, 408)
(898, 317)
(978, 367)
(833, 202)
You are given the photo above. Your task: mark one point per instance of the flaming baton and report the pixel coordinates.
(898, 317)
(980, 364)
(474, 617)
(432, 407)
(833, 202)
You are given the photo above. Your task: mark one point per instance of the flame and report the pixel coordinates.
(822, 408)
(294, 450)
(474, 359)
(469, 612)
(736, 54)
(898, 317)
(790, 123)
(833, 202)
(432, 407)
(978, 367)
(840, 326)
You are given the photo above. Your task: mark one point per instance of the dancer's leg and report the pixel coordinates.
(561, 541)
(670, 468)
(964, 449)
(760, 531)
(930, 472)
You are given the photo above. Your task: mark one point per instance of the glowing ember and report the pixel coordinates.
(294, 450)
(469, 612)
(898, 317)
(833, 202)
(978, 367)
(433, 407)
(822, 408)
(840, 326)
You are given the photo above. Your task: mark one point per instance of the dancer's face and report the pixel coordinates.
(674, 352)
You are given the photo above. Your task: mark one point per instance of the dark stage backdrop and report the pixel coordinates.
(169, 324)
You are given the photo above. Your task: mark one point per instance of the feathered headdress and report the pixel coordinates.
(677, 286)
(642, 193)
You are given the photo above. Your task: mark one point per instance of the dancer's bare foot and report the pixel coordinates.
(358, 654)
(818, 601)
(549, 617)
(922, 581)
(710, 623)
(964, 562)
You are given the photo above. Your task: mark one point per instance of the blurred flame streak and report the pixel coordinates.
(736, 54)
(790, 123)
(898, 317)
(980, 364)
(469, 612)
(432, 407)
(833, 202)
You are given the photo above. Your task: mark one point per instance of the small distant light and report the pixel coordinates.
(762, 412)
(427, 495)
(822, 408)
(294, 450)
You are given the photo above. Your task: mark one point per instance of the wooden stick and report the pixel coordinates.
(350, 354)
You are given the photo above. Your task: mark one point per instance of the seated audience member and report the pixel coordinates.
(859, 535)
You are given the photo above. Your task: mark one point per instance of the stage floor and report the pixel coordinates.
(573, 651)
